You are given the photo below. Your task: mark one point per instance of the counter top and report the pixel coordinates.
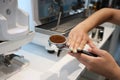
(45, 66)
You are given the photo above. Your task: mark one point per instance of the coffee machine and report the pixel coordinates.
(14, 33)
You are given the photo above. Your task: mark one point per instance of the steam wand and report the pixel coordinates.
(58, 22)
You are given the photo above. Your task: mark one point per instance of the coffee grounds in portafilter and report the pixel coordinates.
(57, 39)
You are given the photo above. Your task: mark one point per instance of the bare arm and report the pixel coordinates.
(78, 36)
(103, 15)
(104, 64)
(115, 17)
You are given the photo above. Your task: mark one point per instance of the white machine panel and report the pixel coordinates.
(13, 21)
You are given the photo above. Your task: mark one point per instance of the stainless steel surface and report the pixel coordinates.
(61, 29)
(69, 25)
(58, 22)
(17, 63)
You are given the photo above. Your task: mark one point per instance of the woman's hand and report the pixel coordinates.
(104, 64)
(78, 38)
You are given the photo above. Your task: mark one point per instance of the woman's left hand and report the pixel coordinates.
(104, 64)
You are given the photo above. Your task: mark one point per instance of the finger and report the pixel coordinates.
(98, 52)
(77, 43)
(72, 44)
(82, 44)
(94, 49)
(86, 58)
(77, 56)
(81, 60)
(91, 44)
(82, 57)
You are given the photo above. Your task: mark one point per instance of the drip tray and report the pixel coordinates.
(17, 64)
(63, 28)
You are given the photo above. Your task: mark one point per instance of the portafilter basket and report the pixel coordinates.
(58, 41)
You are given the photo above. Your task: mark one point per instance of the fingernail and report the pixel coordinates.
(71, 48)
(79, 48)
(74, 51)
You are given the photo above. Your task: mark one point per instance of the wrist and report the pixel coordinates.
(86, 26)
(83, 27)
(116, 74)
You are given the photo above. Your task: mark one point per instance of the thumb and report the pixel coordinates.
(94, 49)
(91, 44)
(97, 51)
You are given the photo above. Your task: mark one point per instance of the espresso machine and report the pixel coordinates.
(14, 33)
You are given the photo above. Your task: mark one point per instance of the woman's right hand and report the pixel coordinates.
(78, 38)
